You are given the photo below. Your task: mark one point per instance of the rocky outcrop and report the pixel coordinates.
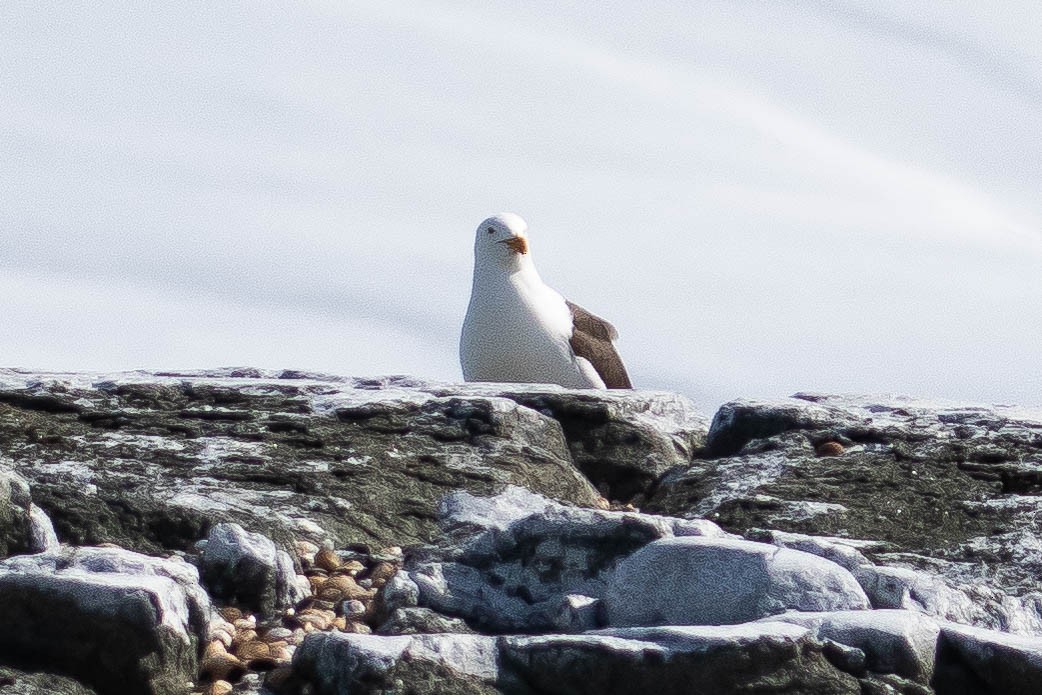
(108, 617)
(397, 536)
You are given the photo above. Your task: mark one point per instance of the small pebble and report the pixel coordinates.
(277, 634)
(829, 449)
(230, 613)
(353, 608)
(327, 559)
(219, 688)
(221, 667)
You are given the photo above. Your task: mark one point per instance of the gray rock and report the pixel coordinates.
(510, 560)
(971, 603)
(347, 664)
(42, 537)
(983, 662)
(717, 581)
(247, 570)
(115, 620)
(950, 490)
(15, 514)
(751, 658)
(621, 440)
(15, 682)
(903, 643)
(152, 461)
(578, 613)
(415, 621)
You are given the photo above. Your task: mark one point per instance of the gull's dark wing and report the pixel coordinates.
(592, 338)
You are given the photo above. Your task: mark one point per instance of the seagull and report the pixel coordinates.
(518, 329)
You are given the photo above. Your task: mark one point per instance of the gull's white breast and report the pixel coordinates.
(517, 330)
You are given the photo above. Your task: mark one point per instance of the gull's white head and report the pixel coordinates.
(503, 240)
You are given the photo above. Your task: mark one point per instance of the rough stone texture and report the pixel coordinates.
(945, 489)
(42, 537)
(416, 621)
(773, 658)
(15, 682)
(15, 513)
(150, 462)
(346, 664)
(719, 581)
(903, 643)
(513, 558)
(621, 440)
(247, 570)
(118, 621)
(971, 661)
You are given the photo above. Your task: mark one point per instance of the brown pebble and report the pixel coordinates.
(357, 628)
(221, 635)
(277, 634)
(317, 619)
(245, 623)
(253, 650)
(282, 654)
(383, 571)
(327, 559)
(829, 449)
(221, 667)
(329, 592)
(350, 589)
(351, 568)
(316, 583)
(243, 637)
(214, 648)
(230, 613)
(219, 688)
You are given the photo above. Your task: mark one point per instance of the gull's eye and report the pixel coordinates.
(491, 230)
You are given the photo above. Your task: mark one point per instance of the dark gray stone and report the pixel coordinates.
(15, 682)
(115, 620)
(972, 661)
(247, 570)
(15, 513)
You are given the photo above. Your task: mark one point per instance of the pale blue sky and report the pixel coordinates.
(764, 197)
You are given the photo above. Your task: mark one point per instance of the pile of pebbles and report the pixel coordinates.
(344, 585)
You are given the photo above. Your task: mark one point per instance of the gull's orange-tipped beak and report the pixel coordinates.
(517, 244)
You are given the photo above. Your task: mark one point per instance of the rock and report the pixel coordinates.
(752, 658)
(902, 643)
(115, 620)
(510, 560)
(152, 461)
(972, 660)
(15, 514)
(578, 613)
(42, 537)
(414, 621)
(341, 664)
(973, 603)
(15, 682)
(952, 491)
(622, 441)
(719, 581)
(248, 570)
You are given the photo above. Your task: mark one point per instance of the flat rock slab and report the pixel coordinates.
(718, 581)
(117, 621)
(348, 664)
(897, 642)
(151, 461)
(754, 658)
(985, 662)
